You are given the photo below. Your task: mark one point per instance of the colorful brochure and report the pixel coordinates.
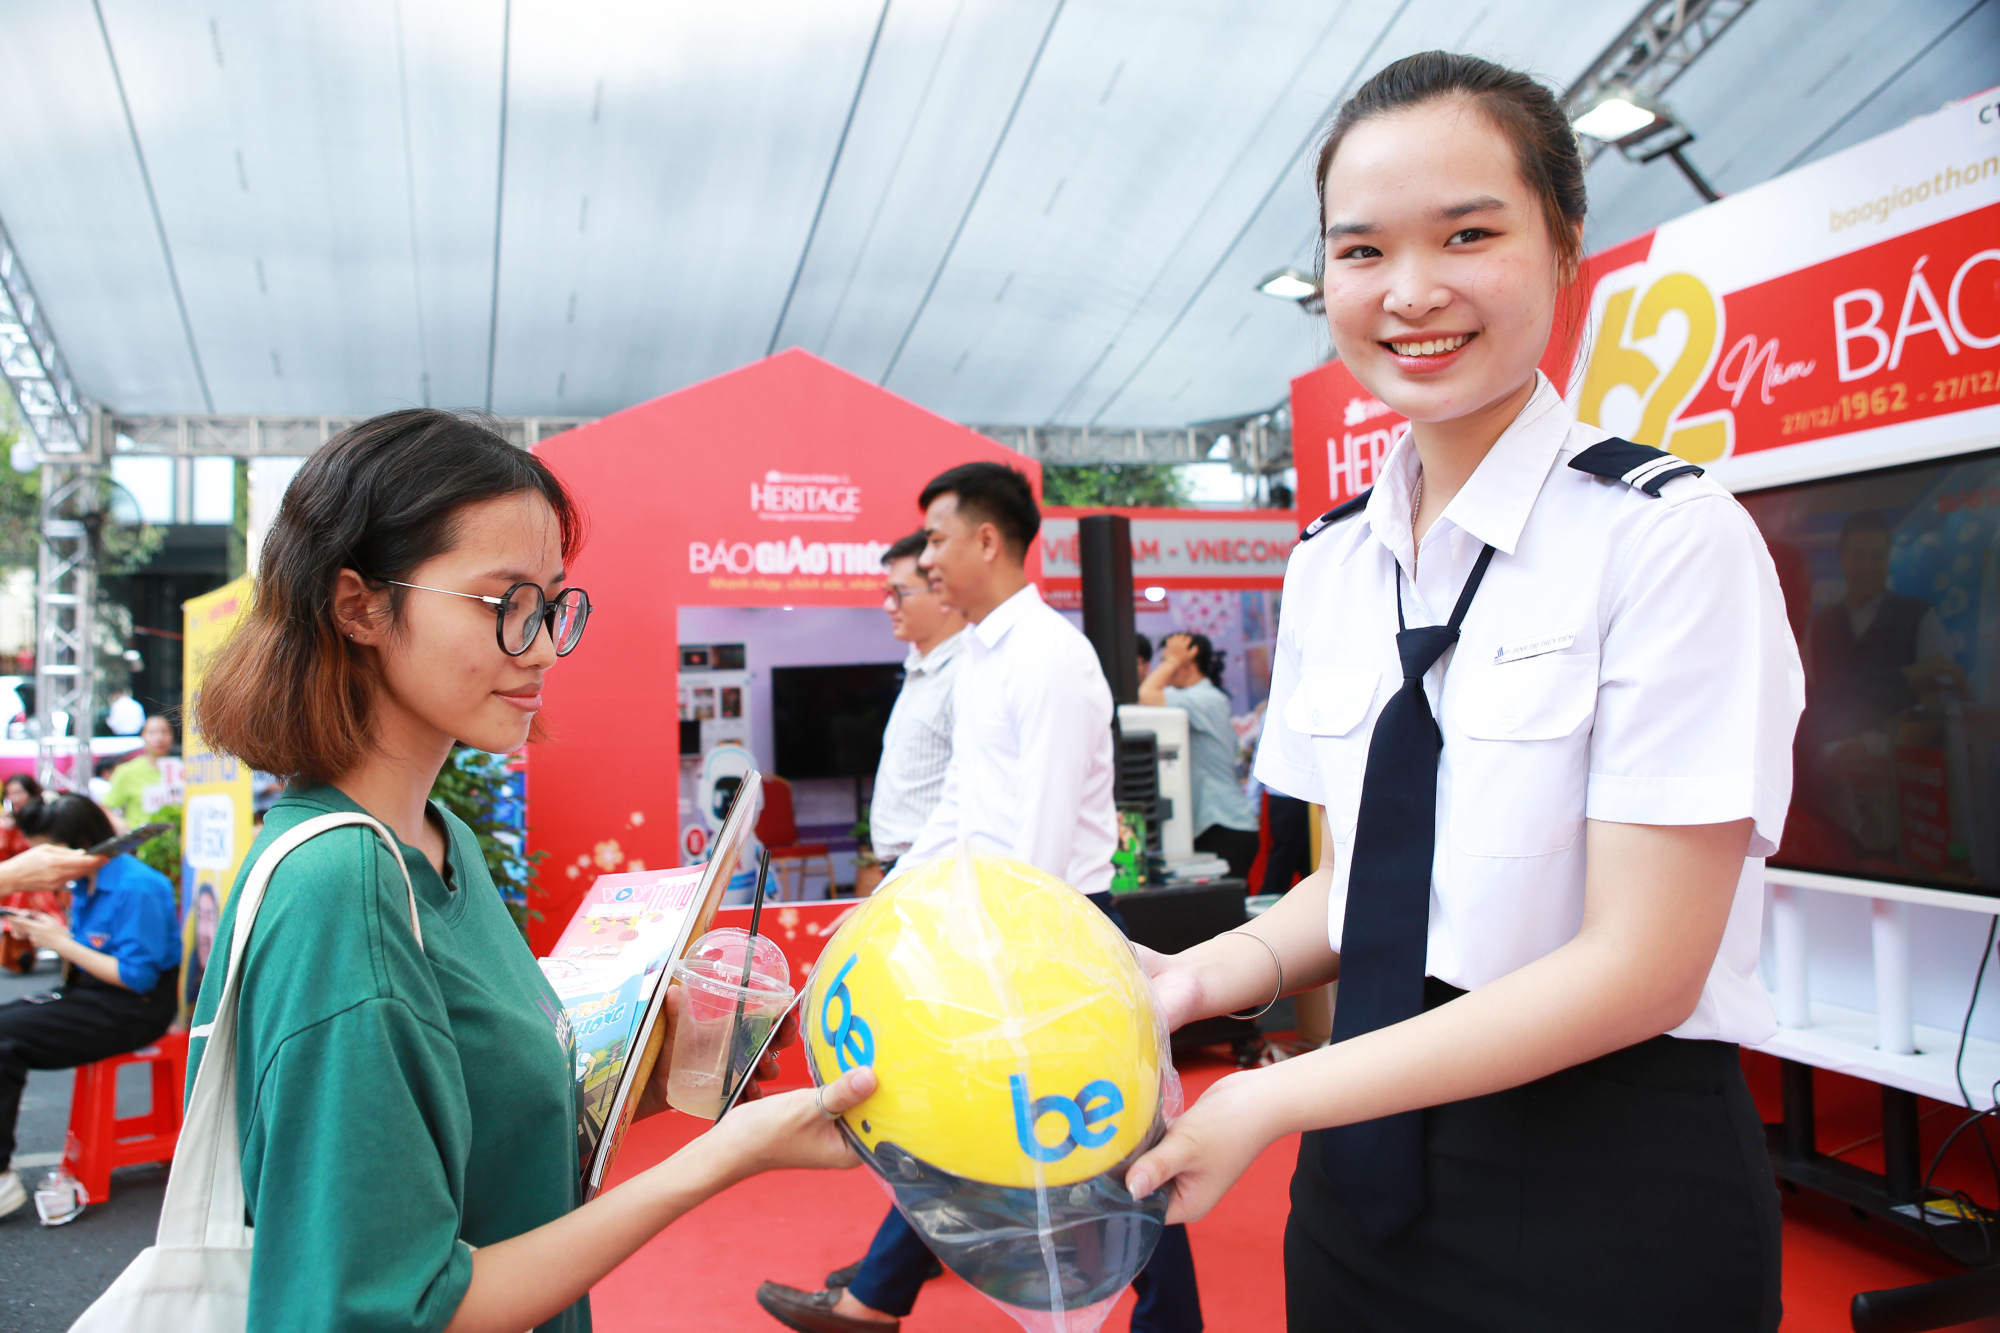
(608, 969)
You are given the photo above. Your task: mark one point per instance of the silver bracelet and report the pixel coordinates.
(1275, 959)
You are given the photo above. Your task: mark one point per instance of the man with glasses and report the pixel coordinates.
(916, 745)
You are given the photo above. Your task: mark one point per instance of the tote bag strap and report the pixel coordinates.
(204, 1201)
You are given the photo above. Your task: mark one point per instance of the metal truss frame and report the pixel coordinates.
(75, 441)
(1655, 49)
(33, 364)
(1260, 443)
(66, 624)
(277, 437)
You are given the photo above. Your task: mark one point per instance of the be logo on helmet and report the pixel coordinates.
(982, 991)
(1094, 1104)
(853, 1045)
(851, 1041)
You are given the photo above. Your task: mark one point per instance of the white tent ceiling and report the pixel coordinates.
(1031, 211)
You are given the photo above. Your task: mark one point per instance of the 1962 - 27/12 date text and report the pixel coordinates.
(1881, 401)
(1972, 384)
(1887, 400)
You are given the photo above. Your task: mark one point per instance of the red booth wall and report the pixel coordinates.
(774, 485)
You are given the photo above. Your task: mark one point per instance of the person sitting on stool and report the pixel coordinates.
(1189, 677)
(121, 951)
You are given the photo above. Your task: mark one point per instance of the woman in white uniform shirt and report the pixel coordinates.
(1553, 1129)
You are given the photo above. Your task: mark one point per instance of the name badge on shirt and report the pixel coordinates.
(1547, 643)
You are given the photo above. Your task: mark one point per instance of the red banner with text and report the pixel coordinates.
(1837, 317)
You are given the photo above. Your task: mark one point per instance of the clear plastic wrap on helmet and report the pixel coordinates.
(1023, 1068)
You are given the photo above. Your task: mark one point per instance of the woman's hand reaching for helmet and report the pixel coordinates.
(791, 1130)
(529, 1278)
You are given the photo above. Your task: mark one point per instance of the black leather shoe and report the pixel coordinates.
(812, 1311)
(844, 1277)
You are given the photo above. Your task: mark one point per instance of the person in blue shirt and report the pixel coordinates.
(1189, 677)
(121, 953)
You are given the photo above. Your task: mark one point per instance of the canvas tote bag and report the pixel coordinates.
(196, 1277)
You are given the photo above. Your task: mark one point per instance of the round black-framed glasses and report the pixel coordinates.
(520, 613)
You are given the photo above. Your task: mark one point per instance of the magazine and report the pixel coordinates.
(607, 970)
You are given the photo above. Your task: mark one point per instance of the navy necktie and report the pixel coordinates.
(1377, 1166)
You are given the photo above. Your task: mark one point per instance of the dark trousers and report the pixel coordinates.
(893, 1273)
(84, 1022)
(1234, 845)
(1632, 1192)
(1291, 843)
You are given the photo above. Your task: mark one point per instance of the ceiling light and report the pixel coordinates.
(1643, 131)
(1616, 117)
(1288, 284)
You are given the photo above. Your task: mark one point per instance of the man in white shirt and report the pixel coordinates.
(916, 745)
(1031, 777)
(1031, 763)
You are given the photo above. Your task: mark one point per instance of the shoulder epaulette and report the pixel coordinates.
(1335, 514)
(1639, 465)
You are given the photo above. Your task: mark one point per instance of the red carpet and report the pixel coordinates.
(700, 1275)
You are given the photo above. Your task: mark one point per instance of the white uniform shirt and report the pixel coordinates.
(1031, 758)
(916, 747)
(1626, 659)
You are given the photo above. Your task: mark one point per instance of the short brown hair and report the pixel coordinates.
(289, 694)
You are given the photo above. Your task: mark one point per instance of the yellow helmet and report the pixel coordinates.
(1021, 1070)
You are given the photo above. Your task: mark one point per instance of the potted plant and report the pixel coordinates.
(867, 867)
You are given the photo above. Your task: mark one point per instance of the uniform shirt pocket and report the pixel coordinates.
(1535, 699)
(1520, 777)
(1331, 706)
(1331, 701)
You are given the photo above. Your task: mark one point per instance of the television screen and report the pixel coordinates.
(1892, 582)
(827, 721)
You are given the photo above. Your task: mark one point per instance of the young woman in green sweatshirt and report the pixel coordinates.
(407, 1111)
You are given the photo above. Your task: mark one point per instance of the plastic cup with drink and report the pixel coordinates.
(724, 1017)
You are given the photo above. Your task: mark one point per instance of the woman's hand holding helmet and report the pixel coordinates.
(1207, 1150)
(797, 1129)
(1176, 988)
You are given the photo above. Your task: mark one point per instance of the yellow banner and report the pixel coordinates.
(216, 827)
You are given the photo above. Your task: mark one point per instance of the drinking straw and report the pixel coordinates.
(749, 956)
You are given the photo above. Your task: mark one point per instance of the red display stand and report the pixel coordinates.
(775, 485)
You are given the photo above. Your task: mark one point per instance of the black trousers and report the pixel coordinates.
(1291, 843)
(1234, 845)
(1632, 1192)
(84, 1022)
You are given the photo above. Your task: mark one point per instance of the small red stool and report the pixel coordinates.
(99, 1141)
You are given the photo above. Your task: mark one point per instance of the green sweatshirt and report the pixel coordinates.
(397, 1104)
